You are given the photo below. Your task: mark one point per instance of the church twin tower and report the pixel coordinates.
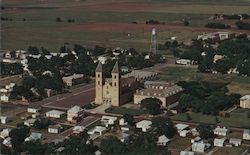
(108, 92)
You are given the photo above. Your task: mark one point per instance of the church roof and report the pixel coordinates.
(116, 68)
(99, 67)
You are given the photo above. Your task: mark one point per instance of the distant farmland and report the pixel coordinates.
(106, 23)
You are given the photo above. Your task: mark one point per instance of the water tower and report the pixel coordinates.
(153, 45)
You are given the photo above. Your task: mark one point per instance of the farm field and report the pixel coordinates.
(106, 22)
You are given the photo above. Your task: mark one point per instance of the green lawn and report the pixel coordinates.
(236, 84)
(123, 110)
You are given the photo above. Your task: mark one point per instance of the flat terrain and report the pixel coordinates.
(230, 151)
(232, 121)
(236, 84)
(78, 96)
(107, 22)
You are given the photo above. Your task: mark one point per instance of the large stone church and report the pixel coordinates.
(115, 90)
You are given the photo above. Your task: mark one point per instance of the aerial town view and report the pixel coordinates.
(125, 77)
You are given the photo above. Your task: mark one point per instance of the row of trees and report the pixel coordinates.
(242, 25)
(217, 25)
(11, 69)
(59, 19)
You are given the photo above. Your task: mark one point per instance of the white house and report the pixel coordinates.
(54, 114)
(245, 101)
(78, 129)
(33, 109)
(7, 142)
(196, 139)
(144, 125)
(184, 62)
(73, 113)
(246, 134)
(162, 140)
(33, 136)
(235, 141)
(108, 120)
(200, 146)
(125, 128)
(55, 128)
(122, 122)
(5, 133)
(3, 119)
(4, 98)
(98, 129)
(123, 136)
(184, 133)
(219, 141)
(195, 132)
(221, 131)
(187, 153)
(181, 127)
(29, 122)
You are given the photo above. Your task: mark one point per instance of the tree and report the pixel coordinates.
(142, 143)
(164, 126)
(186, 23)
(153, 105)
(17, 137)
(33, 50)
(37, 148)
(42, 123)
(112, 146)
(129, 119)
(77, 145)
(205, 131)
(58, 19)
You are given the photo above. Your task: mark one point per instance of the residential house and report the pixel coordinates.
(245, 102)
(5, 133)
(73, 113)
(246, 134)
(196, 139)
(162, 140)
(219, 141)
(123, 136)
(29, 122)
(78, 129)
(122, 122)
(3, 119)
(55, 129)
(195, 132)
(184, 133)
(4, 98)
(181, 127)
(221, 131)
(33, 136)
(108, 120)
(54, 114)
(73, 79)
(98, 129)
(7, 142)
(187, 153)
(33, 109)
(235, 141)
(144, 125)
(184, 62)
(200, 147)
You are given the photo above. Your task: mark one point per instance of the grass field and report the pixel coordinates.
(179, 143)
(41, 29)
(233, 120)
(236, 84)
